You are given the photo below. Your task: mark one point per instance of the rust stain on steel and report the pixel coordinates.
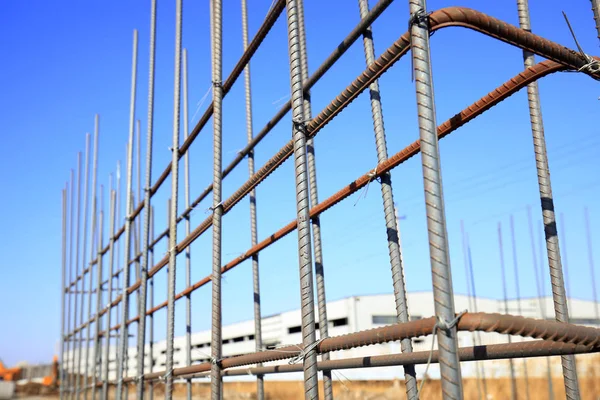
(451, 16)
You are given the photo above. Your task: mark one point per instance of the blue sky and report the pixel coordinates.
(66, 61)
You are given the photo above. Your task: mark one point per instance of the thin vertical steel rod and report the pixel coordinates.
(141, 336)
(563, 240)
(391, 224)
(150, 256)
(513, 379)
(472, 305)
(118, 254)
(173, 216)
(137, 231)
(111, 264)
(188, 252)
(92, 242)
(541, 299)
(77, 344)
(588, 236)
(80, 370)
(71, 349)
(63, 291)
(596, 11)
(302, 203)
(260, 386)
(124, 339)
(543, 172)
(474, 292)
(314, 200)
(99, 279)
(217, 207)
(518, 293)
(434, 201)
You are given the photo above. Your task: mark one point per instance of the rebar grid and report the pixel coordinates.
(558, 339)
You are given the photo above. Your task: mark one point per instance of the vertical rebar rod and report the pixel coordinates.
(111, 264)
(188, 252)
(150, 256)
(472, 304)
(173, 216)
(302, 203)
(99, 279)
(137, 231)
(260, 387)
(63, 293)
(141, 336)
(389, 208)
(91, 267)
(475, 309)
(77, 344)
(518, 294)
(124, 339)
(118, 256)
(217, 207)
(563, 240)
(81, 376)
(314, 200)
(588, 236)
(541, 300)
(434, 200)
(513, 379)
(547, 203)
(596, 11)
(70, 349)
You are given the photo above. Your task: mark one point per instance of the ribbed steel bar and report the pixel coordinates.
(92, 250)
(260, 387)
(540, 296)
(518, 295)
(314, 200)
(71, 324)
(434, 203)
(596, 11)
(63, 293)
(545, 187)
(188, 254)
(137, 225)
(389, 209)
(150, 257)
(111, 260)
(587, 338)
(172, 252)
(299, 138)
(523, 350)
(452, 16)
(141, 335)
(124, 339)
(513, 379)
(588, 236)
(217, 207)
(99, 265)
(507, 89)
(75, 365)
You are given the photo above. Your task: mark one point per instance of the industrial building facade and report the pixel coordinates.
(359, 313)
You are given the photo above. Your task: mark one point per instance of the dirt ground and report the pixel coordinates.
(360, 390)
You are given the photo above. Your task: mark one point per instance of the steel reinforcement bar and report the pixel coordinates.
(452, 16)
(580, 338)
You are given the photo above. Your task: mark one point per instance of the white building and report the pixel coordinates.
(358, 313)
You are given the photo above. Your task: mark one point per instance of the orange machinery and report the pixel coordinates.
(18, 373)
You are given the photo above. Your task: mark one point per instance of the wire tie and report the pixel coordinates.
(304, 352)
(214, 360)
(444, 325)
(213, 208)
(167, 375)
(592, 66)
(372, 176)
(300, 124)
(417, 18)
(217, 83)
